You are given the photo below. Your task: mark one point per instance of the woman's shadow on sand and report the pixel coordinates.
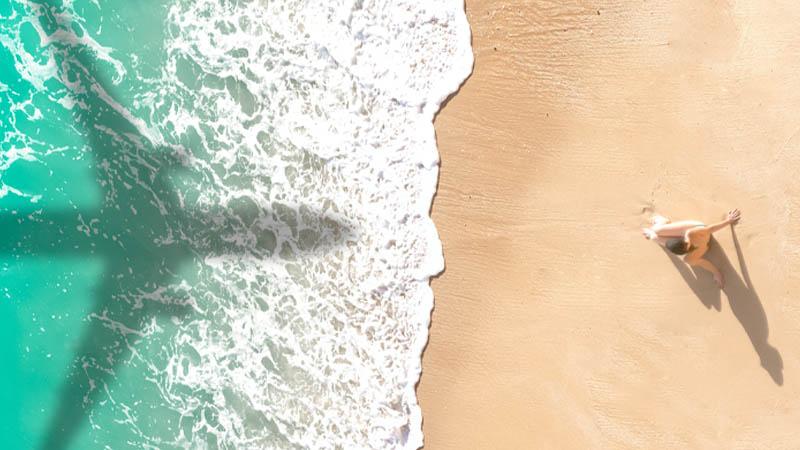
(742, 297)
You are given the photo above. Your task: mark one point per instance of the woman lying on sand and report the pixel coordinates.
(689, 237)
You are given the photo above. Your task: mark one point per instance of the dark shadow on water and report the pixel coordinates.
(145, 233)
(742, 298)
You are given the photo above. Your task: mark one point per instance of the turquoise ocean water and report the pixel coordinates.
(214, 219)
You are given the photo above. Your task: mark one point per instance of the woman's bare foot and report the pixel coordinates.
(719, 281)
(649, 234)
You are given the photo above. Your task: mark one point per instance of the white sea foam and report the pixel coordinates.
(345, 92)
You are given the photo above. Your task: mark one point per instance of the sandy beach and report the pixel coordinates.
(556, 324)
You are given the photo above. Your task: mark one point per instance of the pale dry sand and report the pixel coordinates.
(556, 324)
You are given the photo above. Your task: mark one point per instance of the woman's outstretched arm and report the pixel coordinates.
(733, 216)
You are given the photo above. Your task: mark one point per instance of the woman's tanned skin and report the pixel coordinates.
(695, 234)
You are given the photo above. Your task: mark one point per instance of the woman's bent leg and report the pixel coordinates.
(676, 229)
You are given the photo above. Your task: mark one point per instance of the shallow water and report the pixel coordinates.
(215, 219)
